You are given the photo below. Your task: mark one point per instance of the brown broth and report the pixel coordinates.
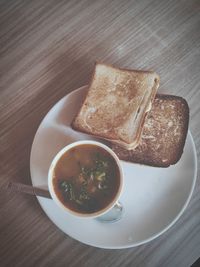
(86, 179)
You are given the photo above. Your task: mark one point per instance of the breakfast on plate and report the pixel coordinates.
(86, 178)
(143, 127)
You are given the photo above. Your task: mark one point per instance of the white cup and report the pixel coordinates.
(51, 176)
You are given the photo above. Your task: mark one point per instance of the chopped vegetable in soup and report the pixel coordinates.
(86, 179)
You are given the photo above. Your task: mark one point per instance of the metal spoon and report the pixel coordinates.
(27, 189)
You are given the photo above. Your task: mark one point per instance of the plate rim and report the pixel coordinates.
(135, 244)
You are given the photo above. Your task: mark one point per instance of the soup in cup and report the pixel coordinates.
(86, 179)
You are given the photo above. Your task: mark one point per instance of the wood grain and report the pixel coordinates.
(47, 49)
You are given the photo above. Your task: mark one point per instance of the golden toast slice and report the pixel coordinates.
(116, 104)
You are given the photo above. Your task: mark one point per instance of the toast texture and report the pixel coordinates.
(116, 104)
(163, 136)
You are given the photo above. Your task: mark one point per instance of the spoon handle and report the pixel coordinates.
(27, 189)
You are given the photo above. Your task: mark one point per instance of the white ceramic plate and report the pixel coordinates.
(153, 198)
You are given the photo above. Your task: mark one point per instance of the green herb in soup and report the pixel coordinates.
(86, 179)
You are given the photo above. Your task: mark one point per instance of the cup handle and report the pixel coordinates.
(113, 215)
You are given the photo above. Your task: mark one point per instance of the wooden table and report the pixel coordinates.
(48, 48)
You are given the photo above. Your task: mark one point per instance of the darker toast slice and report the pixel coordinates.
(164, 133)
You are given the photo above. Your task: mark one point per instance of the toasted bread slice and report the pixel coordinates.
(116, 104)
(164, 133)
